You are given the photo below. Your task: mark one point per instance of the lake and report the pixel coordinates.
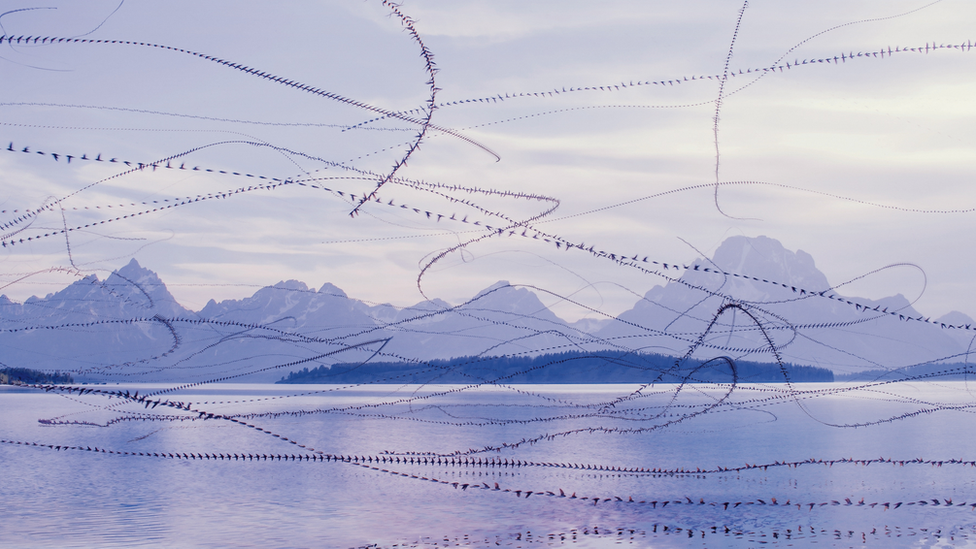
(888, 465)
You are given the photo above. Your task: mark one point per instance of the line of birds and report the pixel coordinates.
(773, 502)
(935, 502)
(622, 534)
(464, 461)
(842, 58)
(277, 79)
(559, 242)
(431, 69)
(188, 200)
(147, 402)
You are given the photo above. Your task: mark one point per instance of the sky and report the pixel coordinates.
(571, 111)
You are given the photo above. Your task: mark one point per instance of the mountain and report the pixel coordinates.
(129, 327)
(327, 326)
(499, 320)
(766, 288)
(92, 326)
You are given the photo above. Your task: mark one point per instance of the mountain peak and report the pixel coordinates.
(496, 286)
(138, 285)
(131, 265)
(955, 318)
(135, 273)
(332, 289)
(297, 285)
(502, 296)
(766, 258)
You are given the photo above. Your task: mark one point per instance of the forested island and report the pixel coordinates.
(567, 367)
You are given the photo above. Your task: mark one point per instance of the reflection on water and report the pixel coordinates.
(408, 466)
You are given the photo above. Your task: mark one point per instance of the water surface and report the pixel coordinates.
(378, 466)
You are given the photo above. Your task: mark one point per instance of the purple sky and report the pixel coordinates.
(853, 160)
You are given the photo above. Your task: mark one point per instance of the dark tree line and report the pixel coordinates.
(567, 367)
(25, 375)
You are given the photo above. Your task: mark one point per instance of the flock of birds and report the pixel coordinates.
(466, 211)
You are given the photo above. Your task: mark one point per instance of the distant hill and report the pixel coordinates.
(569, 367)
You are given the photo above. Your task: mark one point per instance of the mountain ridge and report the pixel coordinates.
(761, 288)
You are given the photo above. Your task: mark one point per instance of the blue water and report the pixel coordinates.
(79, 498)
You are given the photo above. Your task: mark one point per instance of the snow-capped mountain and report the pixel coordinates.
(129, 327)
(116, 325)
(769, 291)
(499, 320)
